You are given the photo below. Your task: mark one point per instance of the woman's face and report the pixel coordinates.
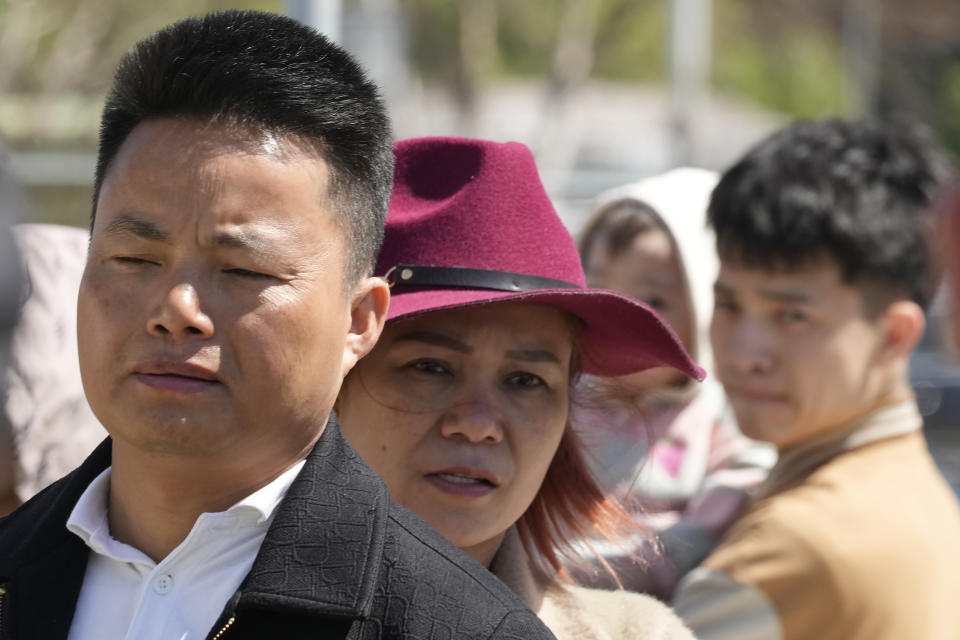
(649, 270)
(461, 413)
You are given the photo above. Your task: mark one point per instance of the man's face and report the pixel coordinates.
(794, 350)
(213, 319)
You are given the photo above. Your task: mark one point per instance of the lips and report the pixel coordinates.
(464, 482)
(178, 377)
(755, 395)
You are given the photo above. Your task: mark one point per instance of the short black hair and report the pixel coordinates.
(265, 72)
(857, 192)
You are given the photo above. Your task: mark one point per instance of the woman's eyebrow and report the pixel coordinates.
(533, 355)
(437, 339)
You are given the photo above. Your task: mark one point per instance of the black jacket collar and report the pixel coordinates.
(331, 521)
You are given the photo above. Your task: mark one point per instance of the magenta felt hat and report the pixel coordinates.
(469, 223)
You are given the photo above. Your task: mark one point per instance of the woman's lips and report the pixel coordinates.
(462, 483)
(175, 382)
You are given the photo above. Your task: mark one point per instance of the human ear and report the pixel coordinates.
(368, 313)
(903, 323)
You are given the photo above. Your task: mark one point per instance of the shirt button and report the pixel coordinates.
(163, 584)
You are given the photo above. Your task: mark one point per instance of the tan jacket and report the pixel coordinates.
(576, 613)
(855, 536)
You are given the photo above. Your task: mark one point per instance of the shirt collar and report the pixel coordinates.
(90, 523)
(264, 501)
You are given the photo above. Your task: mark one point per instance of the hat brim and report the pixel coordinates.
(621, 335)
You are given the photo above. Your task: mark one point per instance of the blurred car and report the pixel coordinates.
(935, 377)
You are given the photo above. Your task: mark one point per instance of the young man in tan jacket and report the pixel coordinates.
(823, 233)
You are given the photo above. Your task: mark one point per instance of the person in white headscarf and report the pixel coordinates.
(46, 425)
(670, 450)
(52, 425)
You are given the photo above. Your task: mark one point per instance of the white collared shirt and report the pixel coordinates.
(126, 595)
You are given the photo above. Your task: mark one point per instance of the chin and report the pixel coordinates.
(761, 426)
(179, 435)
(465, 532)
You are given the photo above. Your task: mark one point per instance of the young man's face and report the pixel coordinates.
(794, 350)
(213, 320)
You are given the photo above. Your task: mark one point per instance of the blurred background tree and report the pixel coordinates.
(568, 63)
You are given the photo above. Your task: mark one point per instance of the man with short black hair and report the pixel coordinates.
(244, 171)
(823, 232)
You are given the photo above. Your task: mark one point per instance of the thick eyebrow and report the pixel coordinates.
(780, 295)
(787, 295)
(437, 339)
(533, 355)
(128, 223)
(239, 240)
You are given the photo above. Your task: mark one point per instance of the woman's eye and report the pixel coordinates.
(526, 380)
(431, 367)
(725, 306)
(656, 302)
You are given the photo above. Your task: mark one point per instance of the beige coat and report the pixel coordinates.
(576, 613)
(854, 536)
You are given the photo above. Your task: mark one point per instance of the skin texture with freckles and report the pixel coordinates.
(213, 327)
(481, 393)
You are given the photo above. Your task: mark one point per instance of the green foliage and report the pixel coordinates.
(629, 38)
(797, 69)
(526, 34)
(632, 41)
(58, 58)
(66, 45)
(950, 108)
(434, 37)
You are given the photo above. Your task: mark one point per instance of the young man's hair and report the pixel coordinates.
(858, 193)
(265, 73)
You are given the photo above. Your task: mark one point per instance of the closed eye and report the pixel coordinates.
(132, 260)
(246, 273)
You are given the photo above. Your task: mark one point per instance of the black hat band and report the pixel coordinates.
(410, 275)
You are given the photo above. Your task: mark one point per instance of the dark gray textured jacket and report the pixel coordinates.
(341, 560)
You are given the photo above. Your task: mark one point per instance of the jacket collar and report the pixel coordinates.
(321, 556)
(799, 461)
(41, 557)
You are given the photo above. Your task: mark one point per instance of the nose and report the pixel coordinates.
(746, 350)
(476, 422)
(180, 315)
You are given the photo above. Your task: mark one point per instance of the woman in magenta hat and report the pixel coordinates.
(463, 406)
